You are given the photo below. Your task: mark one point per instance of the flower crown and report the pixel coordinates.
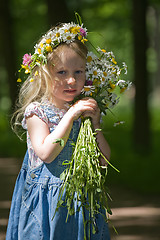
(102, 71)
(65, 34)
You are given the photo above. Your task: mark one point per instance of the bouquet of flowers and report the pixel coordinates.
(84, 180)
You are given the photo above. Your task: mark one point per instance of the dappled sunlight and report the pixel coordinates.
(143, 212)
(134, 237)
(2, 236)
(4, 211)
(5, 204)
(9, 166)
(135, 216)
(136, 223)
(3, 222)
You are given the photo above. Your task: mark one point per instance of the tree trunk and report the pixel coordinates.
(8, 48)
(141, 121)
(157, 44)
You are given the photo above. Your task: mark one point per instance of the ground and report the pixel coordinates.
(136, 216)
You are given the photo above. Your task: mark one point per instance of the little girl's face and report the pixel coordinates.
(68, 76)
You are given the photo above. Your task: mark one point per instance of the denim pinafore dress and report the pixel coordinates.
(36, 194)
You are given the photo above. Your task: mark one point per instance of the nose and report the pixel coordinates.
(71, 80)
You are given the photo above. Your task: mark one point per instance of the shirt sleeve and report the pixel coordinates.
(34, 109)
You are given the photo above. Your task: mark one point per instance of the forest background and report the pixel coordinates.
(129, 28)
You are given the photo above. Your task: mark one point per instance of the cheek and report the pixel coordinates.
(57, 85)
(83, 80)
(81, 85)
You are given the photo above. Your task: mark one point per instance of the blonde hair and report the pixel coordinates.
(38, 86)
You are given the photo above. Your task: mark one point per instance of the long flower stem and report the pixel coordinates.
(85, 179)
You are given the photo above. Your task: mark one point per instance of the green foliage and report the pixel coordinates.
(30, 21)
(109, 23)
(139, 171)
(10, 144)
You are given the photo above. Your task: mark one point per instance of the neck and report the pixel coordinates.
(63, 105)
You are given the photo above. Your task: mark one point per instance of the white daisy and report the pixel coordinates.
(88, 90)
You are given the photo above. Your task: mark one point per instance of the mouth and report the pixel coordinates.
(70, 91)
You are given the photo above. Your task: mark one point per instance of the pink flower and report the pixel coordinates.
(82, 32)
(27, 59)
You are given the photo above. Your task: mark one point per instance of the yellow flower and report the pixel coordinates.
(95, 73)
(70, 29)
(41, 45)
(87, 89)
(36, 73)
(114, 71)
(48, 41)
(27, 71)
(105, 74)
(122, 89)
(80, 37)
(31, 80)
(84, 40)
(74, 30)
(103, 50)
(89, 59)
(112, 85)
(57, 35)
(48, 48)
(66, 30)
(39, 50)
(114, 61)
(22, 66)
(69, 38)
(19, 80)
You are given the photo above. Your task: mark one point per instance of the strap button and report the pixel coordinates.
(33, 175)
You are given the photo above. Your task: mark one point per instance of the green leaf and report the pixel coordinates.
(109, 211)
(66, 162)
(78, 18)
(98, 129)
(60, 141)
(63, 176)
(60, 202)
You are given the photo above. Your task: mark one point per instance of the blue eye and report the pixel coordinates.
(61, 72)
(78, 72)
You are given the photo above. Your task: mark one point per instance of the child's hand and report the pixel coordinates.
(86, 107)
(94, 113)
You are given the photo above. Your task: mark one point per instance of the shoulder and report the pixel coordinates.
(34, 109)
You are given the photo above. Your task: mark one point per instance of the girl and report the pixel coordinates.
(56, 77)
